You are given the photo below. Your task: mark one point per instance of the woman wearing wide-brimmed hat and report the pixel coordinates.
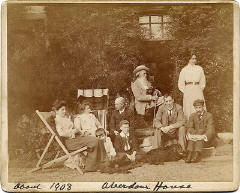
(145, 96)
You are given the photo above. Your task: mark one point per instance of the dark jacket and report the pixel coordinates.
(204, 126)
(120, 142)
(116, 118)
(176, 120)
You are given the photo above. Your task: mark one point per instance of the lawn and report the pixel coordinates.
(217, 168)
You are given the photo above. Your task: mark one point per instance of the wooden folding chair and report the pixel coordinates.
(44, 116)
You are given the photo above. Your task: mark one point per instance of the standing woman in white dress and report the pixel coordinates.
(191, 83)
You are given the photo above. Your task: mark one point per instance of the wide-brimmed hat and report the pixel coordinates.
(139, 68)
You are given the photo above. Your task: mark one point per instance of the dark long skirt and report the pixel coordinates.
(96, 153)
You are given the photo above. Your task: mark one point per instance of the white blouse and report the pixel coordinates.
(64, 126)
(87, 123)
(191, 73)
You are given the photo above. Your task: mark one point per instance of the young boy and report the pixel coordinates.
(113, 160)
(125, 143)
(101, 134)
(200, 129)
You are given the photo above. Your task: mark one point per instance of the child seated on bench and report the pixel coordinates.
(126, 143)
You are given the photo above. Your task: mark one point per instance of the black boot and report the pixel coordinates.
(196, 157)
(189, 156)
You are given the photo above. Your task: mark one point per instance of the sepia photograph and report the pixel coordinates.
(120, 96)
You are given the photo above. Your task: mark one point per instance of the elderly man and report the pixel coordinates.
(169, 123)
(200, 129)
(120, 113)
(145, 96)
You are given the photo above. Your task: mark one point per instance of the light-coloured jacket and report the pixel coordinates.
(142, 100)
(162, 117)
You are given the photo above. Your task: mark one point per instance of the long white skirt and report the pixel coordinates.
(191, 93)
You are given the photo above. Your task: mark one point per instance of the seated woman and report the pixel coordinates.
(74, 139)
(85, 121)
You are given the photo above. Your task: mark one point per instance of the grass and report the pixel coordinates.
(218, 168)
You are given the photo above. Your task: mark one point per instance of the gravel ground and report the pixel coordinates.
(218, 168)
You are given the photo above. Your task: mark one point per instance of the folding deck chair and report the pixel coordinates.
(44, 116)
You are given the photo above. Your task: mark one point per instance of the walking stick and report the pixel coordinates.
(154, 113)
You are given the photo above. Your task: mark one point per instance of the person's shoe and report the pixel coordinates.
(89, 170)
(196, 157)
(183, 154)
(189, 156)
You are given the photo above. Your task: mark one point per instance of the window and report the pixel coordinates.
(35, 12)
(156, 27)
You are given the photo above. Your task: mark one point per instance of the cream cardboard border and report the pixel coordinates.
(96, 186)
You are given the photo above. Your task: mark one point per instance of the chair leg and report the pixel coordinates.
(60, 159)
(45, 151)
(34, 169)
(42, 156)
(79, 170)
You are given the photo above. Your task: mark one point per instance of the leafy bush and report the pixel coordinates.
(99, 46)
(207, 32)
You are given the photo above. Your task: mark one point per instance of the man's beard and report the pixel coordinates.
(143, 78)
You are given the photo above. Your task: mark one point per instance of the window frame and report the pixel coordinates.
(150, 23)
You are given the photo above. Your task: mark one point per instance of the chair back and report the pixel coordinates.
(99, 99)
(48, 119)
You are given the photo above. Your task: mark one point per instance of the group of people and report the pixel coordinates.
(85, 130)
(190, 126)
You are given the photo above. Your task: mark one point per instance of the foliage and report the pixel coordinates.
(72, 47)
(207, 32)
(81, 46)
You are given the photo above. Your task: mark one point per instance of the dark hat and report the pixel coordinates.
(139, 68)
(198, 102)
(123, 122)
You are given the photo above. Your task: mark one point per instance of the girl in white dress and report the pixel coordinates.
(86, 122)
(191, 83)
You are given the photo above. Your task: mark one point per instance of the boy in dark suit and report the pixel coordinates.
(120, 113)
(200, 129)
(126, 143)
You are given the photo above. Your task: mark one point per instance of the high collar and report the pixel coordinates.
(121, 111)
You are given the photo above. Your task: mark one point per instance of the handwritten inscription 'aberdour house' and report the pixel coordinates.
(157, 187)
